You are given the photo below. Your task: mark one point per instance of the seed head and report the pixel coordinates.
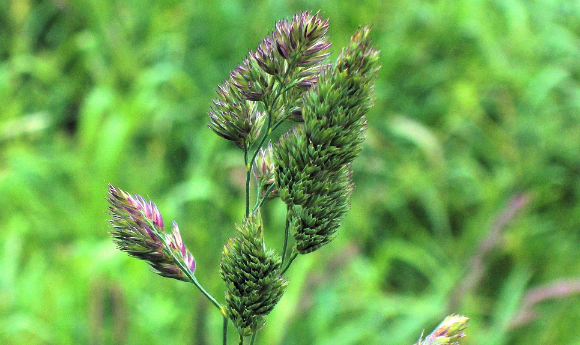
(263, 170)
(235, 118)
(251, 274)
(138, 230)
(449, 332)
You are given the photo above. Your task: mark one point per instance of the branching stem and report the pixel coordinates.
(185, 269)
(292, 257)
(253, 340)
(225, 331)
(261, 201)
(286, 235)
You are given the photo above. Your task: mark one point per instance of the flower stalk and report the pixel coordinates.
(138, 230)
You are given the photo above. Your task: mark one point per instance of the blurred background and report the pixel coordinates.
(467, 197)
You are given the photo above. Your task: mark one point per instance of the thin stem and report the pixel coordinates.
(263, 140)
(294, 255)
(248, 177)
(261, 201)
(185, 269)
(192, 278)
(241, 340)
(286, 235)
(225, 331)
(253, 340)
(268, 107)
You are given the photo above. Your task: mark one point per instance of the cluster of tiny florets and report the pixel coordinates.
(291, 58)
(313, 162)
(252, 277)
(138, 230)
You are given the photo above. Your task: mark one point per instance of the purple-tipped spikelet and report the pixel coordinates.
(302, 39)
(263, 170)
(250, 80)
(289, 62)
(302, 43)
(267, 58)
(234, 118)
(449, 332)
(138, 230)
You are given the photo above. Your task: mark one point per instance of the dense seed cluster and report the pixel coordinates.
(313, 161)
(288, 61)
(252, 277)
(138, 230)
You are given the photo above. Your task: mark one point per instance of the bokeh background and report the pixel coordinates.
(467, 197)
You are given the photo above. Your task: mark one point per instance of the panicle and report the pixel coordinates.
(449, 332)
(251, 273)
(313, 161)
(138, 230)
(234, 118)
(291, 56)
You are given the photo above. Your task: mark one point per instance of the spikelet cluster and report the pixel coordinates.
(288, 61)
(138, 230)
(251, 274)
(449, 332)
(234, 118)
(313, 161)
(263, 169)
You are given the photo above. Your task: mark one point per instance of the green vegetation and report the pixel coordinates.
(467, 190)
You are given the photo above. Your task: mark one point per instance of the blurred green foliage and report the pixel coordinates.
(467, 197)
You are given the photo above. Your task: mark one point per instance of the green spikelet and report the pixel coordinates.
(251, 274)
(315, 223)
(234, 118)
(313, 172)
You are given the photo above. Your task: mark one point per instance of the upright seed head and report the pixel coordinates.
(313, 159)
(252, 277)
(235, 118)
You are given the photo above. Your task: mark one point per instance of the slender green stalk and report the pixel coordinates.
(264, 137)
(253, 340)
(188, 272)
(292, 257)
(203, 291)
(225, 331)
(286, 235)
(241, 340)
(261, 201)
(248, 178)
(268, 108)
(250, 162)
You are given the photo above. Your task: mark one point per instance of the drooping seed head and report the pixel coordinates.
(138, 230)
